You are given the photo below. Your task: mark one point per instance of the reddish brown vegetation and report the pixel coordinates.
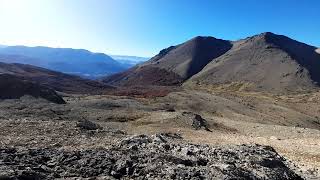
(145, 75)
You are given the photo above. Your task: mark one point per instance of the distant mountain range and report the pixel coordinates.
(72, 61)
(264, 62)
(129, 61)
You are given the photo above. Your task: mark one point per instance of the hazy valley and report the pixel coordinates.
(78, 62)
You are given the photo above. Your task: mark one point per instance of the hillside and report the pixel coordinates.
(72, 61)
(12, 87)
(173, 65)
(55, 80)
(267, 62)
(264, 62)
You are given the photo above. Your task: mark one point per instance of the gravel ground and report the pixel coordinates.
(147, 157)
(227, 120)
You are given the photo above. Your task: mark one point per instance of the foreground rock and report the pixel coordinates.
(12, 87)
(88, 125)
(163, 156)
(197, 122)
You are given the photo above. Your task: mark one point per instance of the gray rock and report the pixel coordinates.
(88, 125)
(197, 121)
(153, 157)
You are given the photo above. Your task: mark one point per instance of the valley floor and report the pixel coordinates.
(288, 123)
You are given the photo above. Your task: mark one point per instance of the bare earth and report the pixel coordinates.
(288, 123)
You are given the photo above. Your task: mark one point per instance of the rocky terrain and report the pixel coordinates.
(87, 125)
(145, 157)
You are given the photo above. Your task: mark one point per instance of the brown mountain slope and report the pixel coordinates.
(12, 87)
(173, 65)
(55, 80)
(268, 62)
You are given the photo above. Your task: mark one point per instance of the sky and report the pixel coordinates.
(144, 27)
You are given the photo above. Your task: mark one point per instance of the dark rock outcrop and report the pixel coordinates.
(144, 157)
(196, 121)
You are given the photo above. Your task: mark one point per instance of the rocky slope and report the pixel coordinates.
(55, 80)
(265, 62)
(173, 65)
(12, 87)
(145, 157)
(268, 62)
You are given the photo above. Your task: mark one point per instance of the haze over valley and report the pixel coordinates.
(72, 61)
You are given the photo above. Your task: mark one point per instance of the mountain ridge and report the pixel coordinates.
(173, 65)
(271, 62)
(268, 61)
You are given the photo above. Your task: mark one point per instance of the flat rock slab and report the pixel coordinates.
(162, 156)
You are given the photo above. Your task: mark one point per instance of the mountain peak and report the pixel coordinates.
(265, 36)
(269, 61)
(174, 64)
(273, 40)
(200, 39)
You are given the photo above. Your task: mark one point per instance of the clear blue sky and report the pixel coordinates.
(144, 27)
